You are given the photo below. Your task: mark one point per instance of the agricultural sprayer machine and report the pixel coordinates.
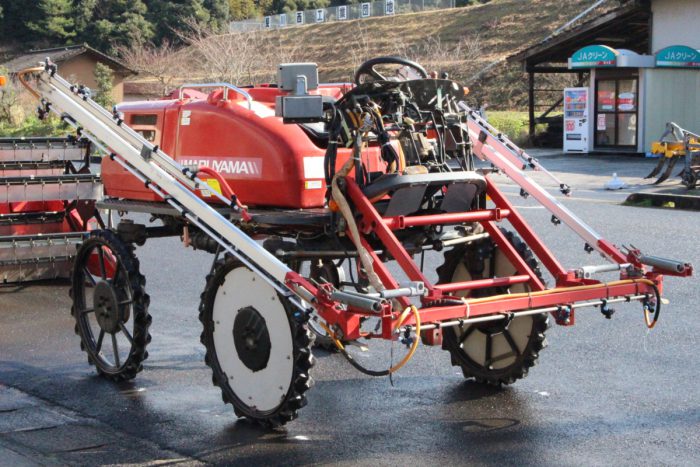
(305, 193)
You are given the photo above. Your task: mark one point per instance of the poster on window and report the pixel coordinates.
(342, 12)
(283, 20)
(626, 102)
(300, 17)
(365, 10)
(606, 100)
(268, 21)
(320, 15)
(389, 7)
(602, 123)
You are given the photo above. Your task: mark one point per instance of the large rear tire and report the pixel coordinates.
(257, 345)
(496, 352)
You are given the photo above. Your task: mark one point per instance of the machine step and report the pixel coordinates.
(50, 187)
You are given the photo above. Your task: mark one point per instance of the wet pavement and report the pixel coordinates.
(604, 391)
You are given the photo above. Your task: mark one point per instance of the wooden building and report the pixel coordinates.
(75, 63)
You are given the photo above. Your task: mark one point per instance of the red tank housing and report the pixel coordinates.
(266, 162)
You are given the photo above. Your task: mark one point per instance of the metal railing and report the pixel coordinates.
(340, 13)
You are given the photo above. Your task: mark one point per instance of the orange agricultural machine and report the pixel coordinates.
(319, 203)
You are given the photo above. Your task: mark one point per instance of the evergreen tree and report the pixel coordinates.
(108, 24)
(218, 14)
(15, 18)
(170, 16)
(242, 9)
(104, 79)
(54, 21)
(84, 12)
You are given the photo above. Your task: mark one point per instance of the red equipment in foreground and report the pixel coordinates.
(338, 182)
(47, 205)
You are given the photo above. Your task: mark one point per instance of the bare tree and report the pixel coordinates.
(361, 48)
(161, 62)
(229, 57)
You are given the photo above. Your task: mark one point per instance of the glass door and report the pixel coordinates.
(616, 108)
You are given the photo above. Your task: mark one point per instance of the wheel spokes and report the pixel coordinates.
(126, 333)
(100, 338)
(88, 275)
(466, 334)
(115, 349)
(511, 342)
(101, 260)
(115, 277)
(489, 351)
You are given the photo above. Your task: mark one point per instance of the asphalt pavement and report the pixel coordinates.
(604, 392)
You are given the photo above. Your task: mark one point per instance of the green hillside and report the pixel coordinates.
(461, 41)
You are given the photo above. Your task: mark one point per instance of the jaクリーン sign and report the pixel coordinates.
(678, 56)
(594, 56)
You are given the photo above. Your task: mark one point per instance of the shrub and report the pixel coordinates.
(32, 126)
(512, 124)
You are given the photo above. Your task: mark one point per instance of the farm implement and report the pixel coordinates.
(318, 203)
(676, 144)
(47, 203)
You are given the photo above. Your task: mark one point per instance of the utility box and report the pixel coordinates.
(299, 106)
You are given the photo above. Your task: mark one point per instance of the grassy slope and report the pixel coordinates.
(502, 26)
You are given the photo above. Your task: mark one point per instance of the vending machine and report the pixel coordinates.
(576, 121)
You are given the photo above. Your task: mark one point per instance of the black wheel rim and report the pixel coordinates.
(104, 305)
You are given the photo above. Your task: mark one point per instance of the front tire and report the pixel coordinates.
(257, 345)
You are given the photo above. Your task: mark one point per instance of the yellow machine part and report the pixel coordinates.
(668, 149)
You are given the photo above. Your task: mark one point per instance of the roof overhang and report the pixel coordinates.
(627, 27)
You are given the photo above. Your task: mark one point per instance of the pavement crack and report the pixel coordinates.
(82, 448)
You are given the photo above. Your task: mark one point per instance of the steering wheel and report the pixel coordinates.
(367, 68)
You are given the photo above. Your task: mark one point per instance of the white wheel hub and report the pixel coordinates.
(264, 389)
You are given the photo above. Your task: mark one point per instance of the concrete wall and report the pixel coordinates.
(82, 69)
(672, 95)
(675, 22)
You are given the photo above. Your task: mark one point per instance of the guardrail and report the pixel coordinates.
(340, 13)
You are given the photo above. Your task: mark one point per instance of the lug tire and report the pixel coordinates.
(295, 379)
(130, 285)
(524, 337)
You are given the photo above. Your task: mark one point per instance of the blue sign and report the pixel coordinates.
(678, 56)
(594, 56)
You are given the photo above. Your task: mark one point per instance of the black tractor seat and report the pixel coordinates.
(408, 192)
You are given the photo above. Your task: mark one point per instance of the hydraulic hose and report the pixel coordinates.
(346, 211)
(414, 345)
(24, 82)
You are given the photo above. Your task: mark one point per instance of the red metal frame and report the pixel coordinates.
(570, 289)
